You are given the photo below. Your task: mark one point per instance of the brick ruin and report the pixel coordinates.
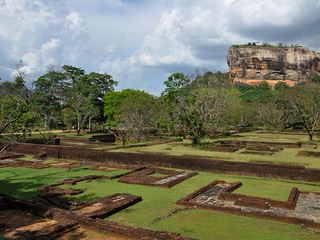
(207, 164)
(69, 220)
(300, 208)
(145, 177)
(69, 214)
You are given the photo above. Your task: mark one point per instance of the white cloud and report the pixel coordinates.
(75, 25)
(40, 33)
(52, 44)
(140, 43)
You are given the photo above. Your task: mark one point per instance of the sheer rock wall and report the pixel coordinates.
(253, 64)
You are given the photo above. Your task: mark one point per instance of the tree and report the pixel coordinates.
(79, 110)
(14, 98)
(211, 79)
(205, 109)
(304, 104)
(11, 110)
(136, 114)
(95, 86)
(316, 78)
(14, 107)
(112, 101)
(175, 85)
(72, 74)
(281, 86)
(260, 93)
(242, 114)
(70, 93)
(272, 117)
(48, 96)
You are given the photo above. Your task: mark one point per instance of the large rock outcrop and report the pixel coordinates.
(254, 64)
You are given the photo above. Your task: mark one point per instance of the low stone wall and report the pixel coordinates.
(258, 143)
(87, 222)
(171, 179)
(222, 149)
(295, 172)
(308, 154)
(264, 203)
(247, 205)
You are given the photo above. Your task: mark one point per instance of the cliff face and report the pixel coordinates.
(254, 64)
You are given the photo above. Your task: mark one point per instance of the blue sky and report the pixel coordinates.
(140, 43)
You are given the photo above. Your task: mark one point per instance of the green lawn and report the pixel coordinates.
(22, 182)
(287, 156)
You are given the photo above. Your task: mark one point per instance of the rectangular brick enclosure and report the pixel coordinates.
(144, 177)
(301, 207)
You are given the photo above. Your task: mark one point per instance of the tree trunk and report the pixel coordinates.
(78, 129)
(45, 123)
(310, 136)
(90, 124)
(123, 142)
(308, 130)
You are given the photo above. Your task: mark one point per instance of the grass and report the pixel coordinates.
(22, 183)
(286, 156)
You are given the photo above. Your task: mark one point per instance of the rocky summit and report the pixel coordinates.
(254, 64)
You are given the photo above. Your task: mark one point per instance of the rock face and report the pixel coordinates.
(253, 64)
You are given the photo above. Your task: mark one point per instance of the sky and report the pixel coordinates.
(142, 42)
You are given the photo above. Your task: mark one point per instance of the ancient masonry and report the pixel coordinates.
(170, 178)
(254, 64)
(300, 208)
(66, 214)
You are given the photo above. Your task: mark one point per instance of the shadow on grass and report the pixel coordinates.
(19, 189)
(86, 197)
(20, 184)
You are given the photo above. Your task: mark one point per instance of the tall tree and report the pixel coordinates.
(14, 106)
(205, 109)
(177, 85)
(48, 96)
(71, 90)
(112, 101)
(136, 113)
(304, 104)
(272, 116)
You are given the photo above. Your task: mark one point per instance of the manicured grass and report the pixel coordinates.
(272, 137)
(22, 183)
(286, 156)
(198, 223)
(211, 225)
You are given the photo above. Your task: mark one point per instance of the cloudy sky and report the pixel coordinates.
(141, 42)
